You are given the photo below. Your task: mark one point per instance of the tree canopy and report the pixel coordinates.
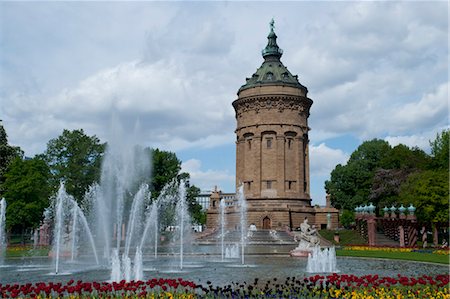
(428, 191)
(384, 175)
(165, 168)
(440, 150)
(27, 193)
(7, 154)
(350, 184)
(74, 158)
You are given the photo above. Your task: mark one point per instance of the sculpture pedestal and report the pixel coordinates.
(300, 252)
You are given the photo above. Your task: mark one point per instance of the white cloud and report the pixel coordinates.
(207, 179)
(324, 159)
(374, 70)
(177, 109)
(429, 110)
(420, 139)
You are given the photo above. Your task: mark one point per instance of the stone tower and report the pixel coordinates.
(272, 113)
(272, 159)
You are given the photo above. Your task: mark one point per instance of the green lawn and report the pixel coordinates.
(410, 256)
(347, 237)
(24, 251)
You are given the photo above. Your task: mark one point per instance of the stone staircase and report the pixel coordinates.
(259, 237)
(382, 240)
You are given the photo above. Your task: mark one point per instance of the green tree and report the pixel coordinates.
(428, 191)
(7, 154)
(75, 158)
(403, 157)
(440, 150)
(395, 170)
(386, 185)
(347, 218)
(195, 209)
(26, 191)
(165, 167)
(350, 184)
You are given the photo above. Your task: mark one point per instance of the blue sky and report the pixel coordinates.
(172, 69)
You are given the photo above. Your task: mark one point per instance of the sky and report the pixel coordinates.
(169, 72)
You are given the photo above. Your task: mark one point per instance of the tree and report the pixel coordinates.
(428, 191)
(396, 167)
(27, 192)
(347, 218)
(386, 186)
(195, 209)
(403, 157)
(75, 158)
(7, 154)
(440, 150)
(165, 167)
(350, 184)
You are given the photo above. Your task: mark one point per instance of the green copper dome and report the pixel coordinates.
(272, 71)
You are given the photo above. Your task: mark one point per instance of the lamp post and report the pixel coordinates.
(371, 209)
(393, 209)
(329, 221)
(402, 210)
(411, 210)
(386, 212)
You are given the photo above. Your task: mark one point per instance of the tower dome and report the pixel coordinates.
(272, 71)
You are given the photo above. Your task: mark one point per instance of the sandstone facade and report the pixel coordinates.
(272, 150)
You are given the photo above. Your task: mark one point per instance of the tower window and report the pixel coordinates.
(249, 186)
(248, 140)
(289, 143)
(290, 185)
(269, 184)
(269, 142)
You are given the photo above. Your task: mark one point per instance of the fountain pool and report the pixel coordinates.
(203, 267)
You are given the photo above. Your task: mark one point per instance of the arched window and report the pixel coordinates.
(268, 138)
(248, 139)
(289, 138)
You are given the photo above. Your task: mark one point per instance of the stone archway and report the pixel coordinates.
(266, 223)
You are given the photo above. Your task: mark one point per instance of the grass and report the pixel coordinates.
(352, 237)
(24, 251)
(346, 236)
(409, 256)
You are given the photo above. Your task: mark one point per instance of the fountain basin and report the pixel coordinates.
(201, 268)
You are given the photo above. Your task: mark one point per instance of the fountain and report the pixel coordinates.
(243, 221)
(232, 251)
(2, 229)
(66, 205)
(222, 225)
(322, 260)
(152, 220)
(183, 220)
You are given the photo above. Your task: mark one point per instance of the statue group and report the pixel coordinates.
(307, 238)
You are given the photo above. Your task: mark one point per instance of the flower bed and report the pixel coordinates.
(318, 286)
(379, 248)
(444, 251)
(153, 288)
